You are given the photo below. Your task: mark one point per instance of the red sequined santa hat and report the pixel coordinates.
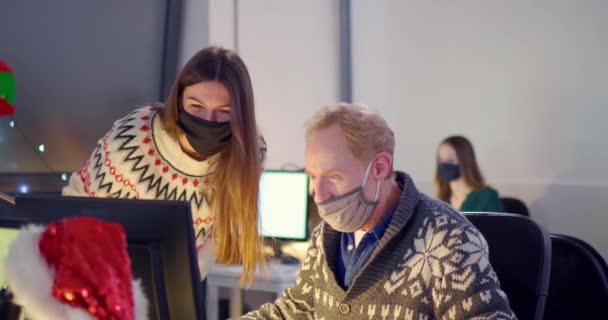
(74, 269)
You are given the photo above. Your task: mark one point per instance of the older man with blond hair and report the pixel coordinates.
(384, 250)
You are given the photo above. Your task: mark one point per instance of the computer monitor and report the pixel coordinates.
(9, 229)
(160, 242)
(283, 205)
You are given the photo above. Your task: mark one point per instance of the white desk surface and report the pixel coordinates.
(276, 279)
(275, 272)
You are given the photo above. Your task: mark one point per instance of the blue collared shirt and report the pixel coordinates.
(350, 259)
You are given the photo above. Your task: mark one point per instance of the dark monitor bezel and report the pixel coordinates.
(161, 225)
(307, 209)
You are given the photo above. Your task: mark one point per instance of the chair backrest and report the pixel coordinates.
(520, 253)
(7, 206)
(579, 280)
(514, 205)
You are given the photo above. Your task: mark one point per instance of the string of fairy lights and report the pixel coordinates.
(38, 149)
(7, 109)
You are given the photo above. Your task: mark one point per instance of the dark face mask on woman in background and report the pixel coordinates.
(449, 171)
(206, 137)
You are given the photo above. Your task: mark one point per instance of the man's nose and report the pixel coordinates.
(320, 191)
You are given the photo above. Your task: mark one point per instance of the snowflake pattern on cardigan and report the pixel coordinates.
(431, 263)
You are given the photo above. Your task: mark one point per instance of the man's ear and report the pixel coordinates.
(382, 165)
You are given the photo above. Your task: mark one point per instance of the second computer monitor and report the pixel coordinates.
(160, 242)
(284, 205)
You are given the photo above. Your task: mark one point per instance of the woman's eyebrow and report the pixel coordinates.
(197, 100)
(205, 105)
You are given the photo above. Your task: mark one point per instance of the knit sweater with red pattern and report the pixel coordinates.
(138, 159)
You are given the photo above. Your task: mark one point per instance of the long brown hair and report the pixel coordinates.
(469, 170)
(237, 171)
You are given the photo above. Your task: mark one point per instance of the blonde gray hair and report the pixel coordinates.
(366, 132)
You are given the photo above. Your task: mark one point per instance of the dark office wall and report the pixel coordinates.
(79, 65)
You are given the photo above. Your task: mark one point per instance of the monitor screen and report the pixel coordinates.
(8, 233)
(284, 205)
(160, 242)
(9, 229)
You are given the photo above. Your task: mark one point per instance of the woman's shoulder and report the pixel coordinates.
(143, 112)
(140, 115)
(138, 122)
(486, 191)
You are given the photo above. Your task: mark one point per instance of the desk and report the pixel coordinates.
(277, 278)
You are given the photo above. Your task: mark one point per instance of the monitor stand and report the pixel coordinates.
(277, 253)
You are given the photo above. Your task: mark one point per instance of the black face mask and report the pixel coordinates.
(206, 137)
(449, 171)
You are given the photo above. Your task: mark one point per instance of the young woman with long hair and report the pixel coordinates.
(459, 181)
(201, 145)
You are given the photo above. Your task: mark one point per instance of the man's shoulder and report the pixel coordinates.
(431, 206)
(444, 234)
(436, 216)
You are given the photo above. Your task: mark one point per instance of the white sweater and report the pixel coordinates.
(138, 159)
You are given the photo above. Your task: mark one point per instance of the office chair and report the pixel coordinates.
(514, 205)
(520, 253)
(579, 280)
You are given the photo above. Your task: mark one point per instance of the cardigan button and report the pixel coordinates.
(344, 308)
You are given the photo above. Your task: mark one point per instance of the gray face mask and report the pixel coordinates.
(350, 211)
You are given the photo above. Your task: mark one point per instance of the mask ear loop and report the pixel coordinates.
(367, 170)
(377, 195)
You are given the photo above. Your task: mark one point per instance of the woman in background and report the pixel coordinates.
(458, 178)
(203, 146)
